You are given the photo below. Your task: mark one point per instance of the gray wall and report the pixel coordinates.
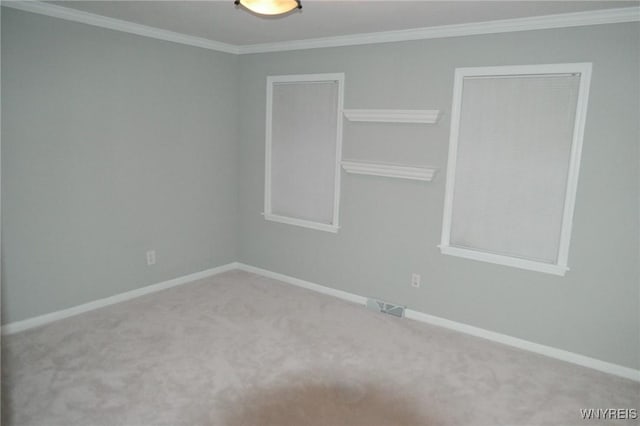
(390, 228)
(112, 144)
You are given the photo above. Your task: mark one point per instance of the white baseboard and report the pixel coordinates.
(595, 364)
(26, 324)
(571, 357)
(360, 300)
(574, 358)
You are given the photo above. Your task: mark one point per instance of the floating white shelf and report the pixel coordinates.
(424, 116)
(389, 170)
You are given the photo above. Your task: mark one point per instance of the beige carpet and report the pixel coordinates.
(239, 349)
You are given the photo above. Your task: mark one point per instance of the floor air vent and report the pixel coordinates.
(386, 308)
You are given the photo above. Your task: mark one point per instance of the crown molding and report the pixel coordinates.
(564, 20)
(74, 15)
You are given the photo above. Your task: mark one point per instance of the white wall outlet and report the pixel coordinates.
(415, 280)
(151, 257)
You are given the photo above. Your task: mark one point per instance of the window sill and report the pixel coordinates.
(515, 262)
(301, 222)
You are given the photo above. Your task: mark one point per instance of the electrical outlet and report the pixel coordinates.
(415, 280)
(151, 257)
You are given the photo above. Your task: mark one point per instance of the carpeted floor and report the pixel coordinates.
(239, 349)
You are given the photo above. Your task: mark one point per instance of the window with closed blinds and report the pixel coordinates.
(514, 157)
(303, 150)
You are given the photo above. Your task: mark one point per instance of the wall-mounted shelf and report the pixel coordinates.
(423, 116)
(389, 170)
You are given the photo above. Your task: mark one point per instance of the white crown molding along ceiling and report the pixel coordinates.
(564, 20)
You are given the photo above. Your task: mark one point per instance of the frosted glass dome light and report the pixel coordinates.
(270, 7)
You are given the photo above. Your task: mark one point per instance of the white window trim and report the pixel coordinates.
(561, 267)
(334, 226)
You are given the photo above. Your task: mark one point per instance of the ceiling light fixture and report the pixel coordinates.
(270, 7)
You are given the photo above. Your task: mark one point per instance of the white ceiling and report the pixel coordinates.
(220, 20)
